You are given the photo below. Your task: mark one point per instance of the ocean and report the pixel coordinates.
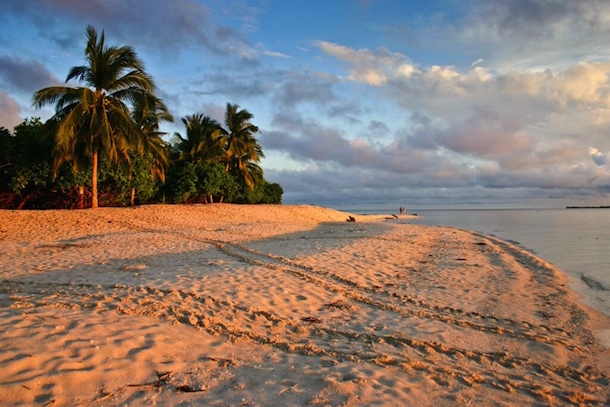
(577, 241)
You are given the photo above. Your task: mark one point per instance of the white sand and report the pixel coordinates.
(282, 305)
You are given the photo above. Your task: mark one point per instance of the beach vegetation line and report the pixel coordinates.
(103, 145)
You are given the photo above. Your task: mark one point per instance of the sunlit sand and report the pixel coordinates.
(283, 305)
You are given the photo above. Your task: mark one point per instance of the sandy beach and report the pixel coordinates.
(227, 305)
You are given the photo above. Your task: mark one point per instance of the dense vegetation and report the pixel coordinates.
(103, 145)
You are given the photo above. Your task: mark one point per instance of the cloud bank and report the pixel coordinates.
(495, 102)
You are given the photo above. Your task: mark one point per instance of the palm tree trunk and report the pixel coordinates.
(133, 197)
(23, 201)
(94, 182)
(81, 197)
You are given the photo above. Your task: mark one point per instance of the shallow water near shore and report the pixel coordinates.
(575, 240)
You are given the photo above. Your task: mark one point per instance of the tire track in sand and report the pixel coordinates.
(543, 381)
(266, 328)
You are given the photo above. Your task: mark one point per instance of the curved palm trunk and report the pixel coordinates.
(94, 182)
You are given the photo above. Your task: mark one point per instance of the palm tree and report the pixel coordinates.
(96, 118)
(148, 111)
(202, 143)
(242, 150)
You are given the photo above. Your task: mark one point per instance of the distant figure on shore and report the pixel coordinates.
(402, 210)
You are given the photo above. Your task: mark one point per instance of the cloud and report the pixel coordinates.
(233, 85)
(532, 33)
(297, 88)
(25, 76)
(174, 25)
(467, 129)
(598, 157)
(375, 126)
(309, 141)
(246, 13)
(275, 54)
(371, 67)
(359, 189)
(9, 111)
(368, 124)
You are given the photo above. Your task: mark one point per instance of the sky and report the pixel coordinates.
(362, 103)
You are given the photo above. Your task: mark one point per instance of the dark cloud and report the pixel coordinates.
(25, 76)
(167, 24)
(305, 88)
(536, 32)
(306, 140)
(527, 18)
(375, 126)
(339, 188)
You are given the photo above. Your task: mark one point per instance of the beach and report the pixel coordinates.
(275, 305)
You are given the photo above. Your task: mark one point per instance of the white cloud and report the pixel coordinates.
(497, 130)
(371, 67)
(275, 54)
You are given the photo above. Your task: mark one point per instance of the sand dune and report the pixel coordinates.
(283, 305)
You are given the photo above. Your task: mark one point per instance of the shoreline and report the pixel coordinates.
(275, 305)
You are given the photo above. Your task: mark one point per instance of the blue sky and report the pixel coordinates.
(469, 103)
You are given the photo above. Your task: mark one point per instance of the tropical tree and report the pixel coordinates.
(95, 118)
(242, 150)
(202, 142)
(148, 111)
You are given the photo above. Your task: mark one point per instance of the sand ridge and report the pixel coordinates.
(282, 305)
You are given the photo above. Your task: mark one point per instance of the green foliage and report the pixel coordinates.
(117, 183)
(202, 142)
(114, 120)
(182, 182)
(30, 157)
(7, 165)
(6, 146)
(217, 182)
(242, 150)
(206, 145)
(273, 193)
(28, 174)
(96, 119)
(196, 182)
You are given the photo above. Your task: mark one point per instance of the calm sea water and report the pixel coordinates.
(575, 240)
